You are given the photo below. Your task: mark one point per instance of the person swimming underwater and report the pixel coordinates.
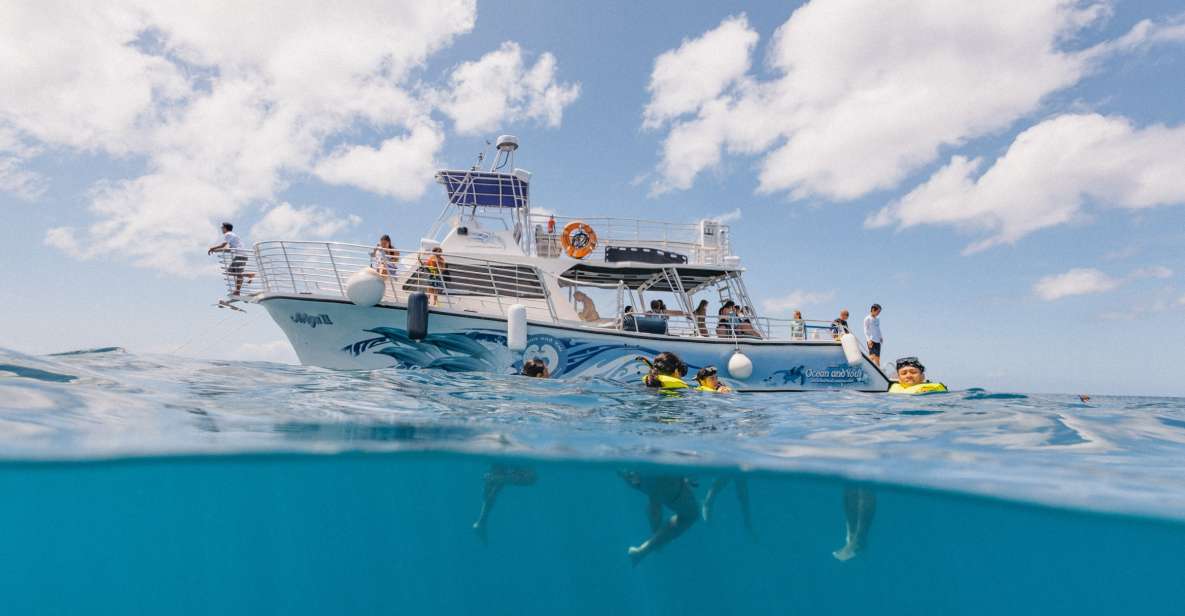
(666, 372)
(708, 381)
(673, 492)
(911, 379)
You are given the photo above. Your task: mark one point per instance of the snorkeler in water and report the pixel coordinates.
(670, 491)
(666, 371)
(859, 505)
(742, 489)
(911, 379)
(503, 475)
(708, 380)
(500, 476)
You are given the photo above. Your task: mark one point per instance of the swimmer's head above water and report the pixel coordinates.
(536, 368)
(668, 364)
(910, 371)
(709, 381)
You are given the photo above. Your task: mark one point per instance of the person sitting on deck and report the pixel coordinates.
(839, 326)
(709, 381)
(585, 308)
(659, 308)
(701, 318)
(745, 328)
(666, 372)
(628, 321)
(911, 379)
(726, 320)
(384, 258)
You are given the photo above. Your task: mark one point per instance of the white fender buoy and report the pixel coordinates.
(851, 349)
(740, 366)
(516, 327)
(365, 287)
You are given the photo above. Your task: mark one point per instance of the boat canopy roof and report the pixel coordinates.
(471, 188)
(662, 278)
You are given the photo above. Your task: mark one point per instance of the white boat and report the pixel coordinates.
(584, 286)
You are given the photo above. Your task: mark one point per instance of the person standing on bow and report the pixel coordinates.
(872, 333)
(238, 260)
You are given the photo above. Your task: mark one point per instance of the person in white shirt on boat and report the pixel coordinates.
(872, 333)
(238, 261)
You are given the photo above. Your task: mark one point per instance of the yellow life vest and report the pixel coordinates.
(667, 382)
(723, 389)
(920, 388)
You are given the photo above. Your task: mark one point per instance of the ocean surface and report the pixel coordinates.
(144, 484)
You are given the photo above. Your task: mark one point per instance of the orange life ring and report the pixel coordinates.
(578, 239)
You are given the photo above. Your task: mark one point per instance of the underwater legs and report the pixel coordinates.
(498, 477)
(859, 507)
(674, 493)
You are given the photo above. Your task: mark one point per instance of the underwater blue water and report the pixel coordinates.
(151, 484)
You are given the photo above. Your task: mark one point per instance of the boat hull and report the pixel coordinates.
(337, 334)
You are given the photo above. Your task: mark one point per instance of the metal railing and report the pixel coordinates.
(240, 272)
(730, 328)
(453, 281)
(682, 238)
(473, 285)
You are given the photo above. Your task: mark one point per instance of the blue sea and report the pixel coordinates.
(144, 484)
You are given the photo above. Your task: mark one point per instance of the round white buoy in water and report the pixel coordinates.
(516, 327)
(365, 287)
(851, 349)
(740, 366)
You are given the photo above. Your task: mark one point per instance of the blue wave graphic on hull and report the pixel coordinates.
(485, 350)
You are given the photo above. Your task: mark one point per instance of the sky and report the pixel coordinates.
(1006, 179)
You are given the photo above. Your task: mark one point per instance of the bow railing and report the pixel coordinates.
(455, 281)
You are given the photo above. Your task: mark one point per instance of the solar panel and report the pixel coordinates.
(483, 188)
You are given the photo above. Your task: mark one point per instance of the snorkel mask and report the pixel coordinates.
(910, 361)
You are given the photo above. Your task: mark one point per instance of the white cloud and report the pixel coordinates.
(13, 179)
(698, 71)
(893, 83)
(1083, 281)
(399, 167)
(20, 182)
(310, 223)
(1078, 281)
(796, 300)
(225, 103)
(500, 87)
(1181, 301)
(1046, 178)
(1156, 271)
